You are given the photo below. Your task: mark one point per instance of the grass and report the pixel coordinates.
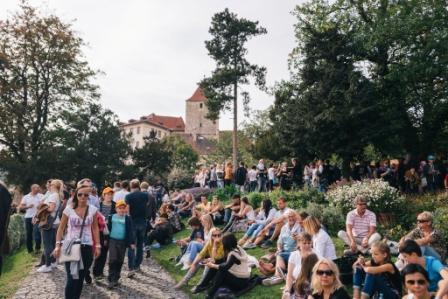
(15, 268)
(164, 254)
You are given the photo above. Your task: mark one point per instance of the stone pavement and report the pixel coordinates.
(152, 282)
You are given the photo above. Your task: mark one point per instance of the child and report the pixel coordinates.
(377, 276)
(121, 236)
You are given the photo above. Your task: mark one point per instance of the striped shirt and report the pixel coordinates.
(361, 224)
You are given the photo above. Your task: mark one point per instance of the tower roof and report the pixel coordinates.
(198, 96)
(171, 122)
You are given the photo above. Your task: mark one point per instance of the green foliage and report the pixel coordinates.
(223, 148)
(183, 154)
(226, 193)
(441, 221)
(255, 198)
(16, 231)
(179, 178)
(153, 159)
(332, 217)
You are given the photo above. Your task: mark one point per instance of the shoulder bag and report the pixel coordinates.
(71, 249)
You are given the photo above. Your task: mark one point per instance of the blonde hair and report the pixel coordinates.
(60, 187)
(315, 281)
(311, 225)
(426, 216)
(207, 222)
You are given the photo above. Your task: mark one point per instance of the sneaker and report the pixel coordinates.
(198, 289)
(349, 252)
(39, 265)
(148, 254)
(44, 269)
(281, 273)
(267, 244)
(112, 284)
(88, 279)
(98, 278)
(272, 281)
(131, 273)
(54, 265)
(186, 266)
(249, 246)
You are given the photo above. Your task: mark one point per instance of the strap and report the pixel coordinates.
(83, 222)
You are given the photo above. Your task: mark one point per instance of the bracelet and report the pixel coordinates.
(98, 246)
(58, 242)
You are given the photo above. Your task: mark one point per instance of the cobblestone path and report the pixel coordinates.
(151, 282)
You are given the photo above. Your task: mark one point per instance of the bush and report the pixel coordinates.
(16, 231)
(441, 221)
(381, 197)
(179, 179)
(255, 198)
(224, 194)
(330, 216)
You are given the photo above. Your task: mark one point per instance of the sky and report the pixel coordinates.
(152, 52)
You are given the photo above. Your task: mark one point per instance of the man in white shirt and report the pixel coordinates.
(29, 204)
(121, 194)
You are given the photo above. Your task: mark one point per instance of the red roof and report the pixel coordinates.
(198, 96)
(171, 122)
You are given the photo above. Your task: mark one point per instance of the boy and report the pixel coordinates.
(121, 236)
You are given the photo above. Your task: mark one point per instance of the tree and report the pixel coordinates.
(223, 148)
(183, 155)
(42, 72)
(229, 35)
(153, 159)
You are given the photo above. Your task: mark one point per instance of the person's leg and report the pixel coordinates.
(278, 228)
(261, 236)
(29, 234)
(121, 252)
(100, 262)
(87, 259)
(217, 283)
(377, 284)
(234, 283)
(358, 281)
(140, 239)
(113, 261)
(252, 228)
(429, 251)
(48, 238)
(194, 250)
(227, 214)
(37, 237)
(342, 234)
(69, 290)
(257, 230)
(373, 238)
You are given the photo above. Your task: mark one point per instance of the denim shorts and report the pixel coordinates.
(285, 256)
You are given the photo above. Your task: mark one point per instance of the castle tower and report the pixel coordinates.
(196, 123)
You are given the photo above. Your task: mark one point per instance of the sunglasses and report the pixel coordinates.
(422, 221)
(216, 235)
(83, 194)
(418, 281)
(324, 273)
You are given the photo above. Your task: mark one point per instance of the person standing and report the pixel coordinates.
(228, 174)
(5, 209)
(29, 204)
(240, 177)
(262, 176)
(121, 193)
(137, 202)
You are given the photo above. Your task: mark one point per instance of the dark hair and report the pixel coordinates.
(267, 206)
(281, 199)
(171, 207)
(306, 271)
(235, 196)
(125, 185)
(414, 268)
(75, 197)
(245, 200)
(254, 167)
(194, 221)
(303, 215)
(229, 242)
(409, 247)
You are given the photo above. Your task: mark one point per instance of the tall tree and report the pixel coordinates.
(227, 48)
(42, 72)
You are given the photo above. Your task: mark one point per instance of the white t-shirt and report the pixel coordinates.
(281, 213)
(271, 174)
(252, 175)
(53, 197)
(34, 200)
(323, 245)
(120, 194)
(74, 225)
(296, 259)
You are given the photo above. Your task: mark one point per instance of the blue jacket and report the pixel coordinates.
(130, 236)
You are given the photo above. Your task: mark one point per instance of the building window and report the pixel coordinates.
(131, 130)
(159, 133)
(137, 144)
(200, 105)
(138, 130)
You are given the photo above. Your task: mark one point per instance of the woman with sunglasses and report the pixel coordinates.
(72, 219)
(325, 281)
(427, 237)
(212, 251)
(416, 280)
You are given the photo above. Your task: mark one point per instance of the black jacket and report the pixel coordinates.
(240, 176)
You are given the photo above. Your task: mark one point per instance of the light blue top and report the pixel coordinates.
(433, 266)
(118, 231)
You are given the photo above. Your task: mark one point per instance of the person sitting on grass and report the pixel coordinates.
(322, 244)
(203, 207)
(302, 285)
(185, 208)
(195, 242)
(232, 209)
(379, 276)
(360, 230)
(239, 221)
(416, 281)
(412, 254)
(273, 228)
(325, 281)
(265, 215)
(285, 245)
(217, 210)
(174, 219)
(304, 248)
(212, 251)
(234, 273)
(162, 232)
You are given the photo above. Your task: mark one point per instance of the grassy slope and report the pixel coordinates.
(15, 268)
(163, 255)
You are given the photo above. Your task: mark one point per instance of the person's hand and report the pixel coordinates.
(105, 242)
(365, 242)
(97, 252)
(56, 252)
(133, 246)
(210, 265)
(368, 269)
(30, 206)
(353, 246)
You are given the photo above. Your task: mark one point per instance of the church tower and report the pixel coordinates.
(196, 123)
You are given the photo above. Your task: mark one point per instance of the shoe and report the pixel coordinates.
(249, 246)
(281, 273)
(272, 281)
(99, 277)
(131, 273)
(88, 279)
(38, 265)
(112, 284)
(186, 266)
(267, 244)
(198, 289)
(148, 254)
(44, 269)
(349, 252)
(54, 265)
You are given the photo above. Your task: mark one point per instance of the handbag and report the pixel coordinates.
(71, 249)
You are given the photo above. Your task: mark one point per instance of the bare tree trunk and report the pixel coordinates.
(235, 127)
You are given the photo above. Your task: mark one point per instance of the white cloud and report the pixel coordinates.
(153, 52)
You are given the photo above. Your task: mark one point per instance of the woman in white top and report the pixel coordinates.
(322, 244)
(241, 219)
(53, 200)
(265, 215)
(72, 220)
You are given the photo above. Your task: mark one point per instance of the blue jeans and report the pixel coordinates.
(429, 251)
(254, 229)
(285, 256)
(227, 214)
(373, 283)
(49, 240)
(73, 287)
(135, 257)
(194, 247)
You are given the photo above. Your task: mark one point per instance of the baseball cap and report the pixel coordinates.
(120, 203)
(108, 190)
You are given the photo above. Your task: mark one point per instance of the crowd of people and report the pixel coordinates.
(86, 229)
(408, 176)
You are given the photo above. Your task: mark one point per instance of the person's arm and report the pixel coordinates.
(320, 241)
(226, 265)
(59, 234)
(379, 269)
(96, 236)
(289, 278)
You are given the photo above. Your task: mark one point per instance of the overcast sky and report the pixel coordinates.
(152, 51)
